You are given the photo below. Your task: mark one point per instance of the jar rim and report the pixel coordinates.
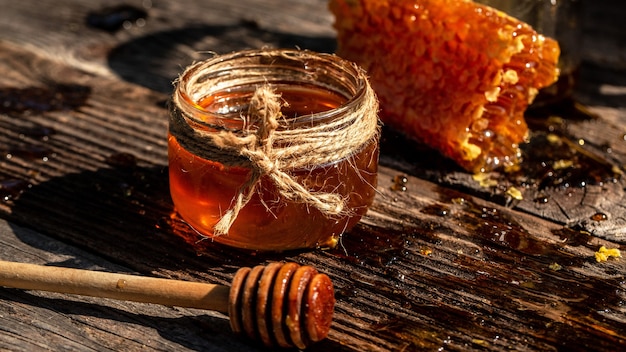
(350, 81)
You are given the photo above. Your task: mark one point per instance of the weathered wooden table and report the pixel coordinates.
(450, 263)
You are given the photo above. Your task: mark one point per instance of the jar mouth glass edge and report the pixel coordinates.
(322, 70)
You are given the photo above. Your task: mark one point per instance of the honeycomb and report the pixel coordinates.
(453, 74)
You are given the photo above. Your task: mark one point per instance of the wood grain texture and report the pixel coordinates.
(38, 321)
(446, 264)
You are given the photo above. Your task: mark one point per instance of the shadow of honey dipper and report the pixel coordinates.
(281, 304)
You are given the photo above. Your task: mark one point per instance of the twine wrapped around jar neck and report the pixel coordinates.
(270, 148)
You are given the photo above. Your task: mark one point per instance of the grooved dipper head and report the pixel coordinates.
(284, 305)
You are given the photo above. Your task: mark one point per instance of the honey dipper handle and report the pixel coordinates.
(117, 286)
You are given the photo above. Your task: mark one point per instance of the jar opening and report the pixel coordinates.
(314, 88)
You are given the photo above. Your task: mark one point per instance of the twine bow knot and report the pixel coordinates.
(265, 107)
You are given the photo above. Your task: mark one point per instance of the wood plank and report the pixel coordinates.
(38, 321)
(174, 35)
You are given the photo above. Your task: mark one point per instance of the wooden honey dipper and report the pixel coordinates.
(281, 304)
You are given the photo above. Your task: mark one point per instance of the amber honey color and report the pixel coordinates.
(202, 190)
(453, 74)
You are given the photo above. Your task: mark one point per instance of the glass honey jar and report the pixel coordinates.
(273, 150)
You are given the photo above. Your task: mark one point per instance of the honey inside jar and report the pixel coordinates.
(203, 189)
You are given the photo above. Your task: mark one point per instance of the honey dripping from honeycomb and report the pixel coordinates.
(453, 74)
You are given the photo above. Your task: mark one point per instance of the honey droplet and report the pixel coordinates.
(599, 217)
(12, 188)
(57, 97)
(399, 183)
(122, 160)
(38, 132)
(115, 18)
(121, 283)
(30, 152)
(458, 200)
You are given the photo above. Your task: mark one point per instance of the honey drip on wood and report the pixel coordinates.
(11, 189)
(56, 97)
(114, 18)
(399, 183)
